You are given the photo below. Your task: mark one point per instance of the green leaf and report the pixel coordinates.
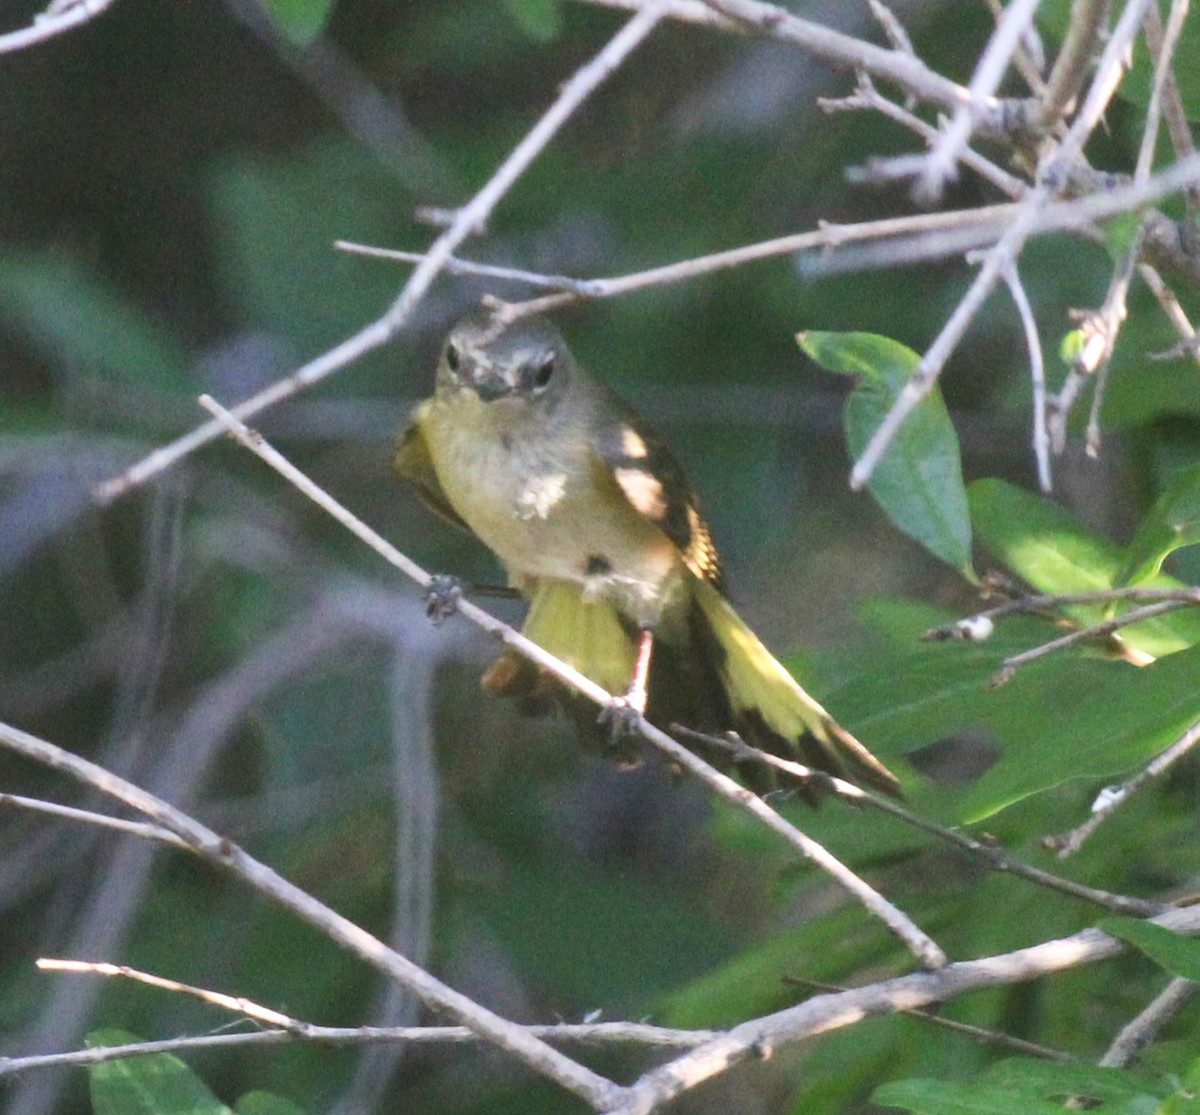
(300, 21)
(266, 1103)
(954, 1097)
(1058, 1080)
(77, 320)
(1177, 954)
(1119, 233)
(1055, 553)
(541, 20)
(1171, 524)
(919, 482)
(1114, 717)
(153, 1084)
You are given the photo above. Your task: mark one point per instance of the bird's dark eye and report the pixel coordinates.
(452, 356)
(543, 372)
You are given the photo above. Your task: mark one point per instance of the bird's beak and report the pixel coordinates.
(490, 382)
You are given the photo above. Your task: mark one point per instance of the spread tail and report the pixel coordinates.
(766, 701)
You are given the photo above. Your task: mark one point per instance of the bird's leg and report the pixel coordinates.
(444, 593)
(636, 695)
(621, 716)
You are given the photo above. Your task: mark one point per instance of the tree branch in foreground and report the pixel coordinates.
(761, 1037)
(223, 853)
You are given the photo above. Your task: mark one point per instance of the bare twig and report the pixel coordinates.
(1071, 65)
(1004, 255)
(589, 1033)
(991, 854)
(910, 239)
(980, 1034)
(1173, 310)
(1112, 797)
(1098, 631)
(867, 97)
(236, 1003)
(824, 1013)
(1030, 56)
(979, 625)
(468, 221)
(1037, 375)
(56, 19)
(1142, 1030)
(989, 72)
(70, 813)
(456, 266)
(221, 852)
(925, 949)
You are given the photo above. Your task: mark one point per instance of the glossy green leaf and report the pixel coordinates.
(1052, 551)
(919, 482)
(1179, 955)
(154, 1084)
(300, 21)
(1172, 523)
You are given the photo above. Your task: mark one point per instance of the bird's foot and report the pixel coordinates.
(442, 597)
(621, 720)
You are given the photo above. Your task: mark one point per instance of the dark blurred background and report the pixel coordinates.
(172, 177)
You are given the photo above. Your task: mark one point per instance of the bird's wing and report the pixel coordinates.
(650, 478)
(414, 465)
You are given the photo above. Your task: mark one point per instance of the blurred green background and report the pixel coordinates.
(172, 179)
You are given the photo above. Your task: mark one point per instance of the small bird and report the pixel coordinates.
(597, 526)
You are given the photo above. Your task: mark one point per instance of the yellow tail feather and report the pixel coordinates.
(757, 684)
(586, 634)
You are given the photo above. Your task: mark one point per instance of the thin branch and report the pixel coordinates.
(132, 828)
(456, 266)
(867, 97)
(223, 853)
(1098, 631)
(991, 854)
(904, 69)
(590, 1034)
(1107, 323)
(56, 19)
(1172, 309)
(980, 625)
(236, 1003)
(1112, 797)
(923, 948)
(1071, 65)
(763, 1036)
(1142, 1030)
(1030, 56)
(1004, 254)
(1178, 126)
(980, 1034)
(1037, 375)
(468, 221)
(989, 72)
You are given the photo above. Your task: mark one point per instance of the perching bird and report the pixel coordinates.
(598, 528)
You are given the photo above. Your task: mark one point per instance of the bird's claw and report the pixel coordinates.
(442, 597)
(621, 721)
